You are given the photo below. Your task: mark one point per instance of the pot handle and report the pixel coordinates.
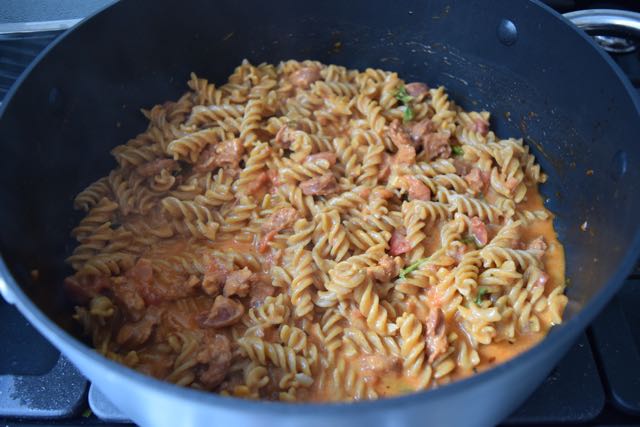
(612, 29)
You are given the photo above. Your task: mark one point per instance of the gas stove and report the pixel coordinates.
(597, 383)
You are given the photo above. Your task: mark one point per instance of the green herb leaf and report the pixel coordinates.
(408, 114)
(412, 267)
(457, 150)
(87, 413)
(469, 240)
(481, 292)
(403, 96)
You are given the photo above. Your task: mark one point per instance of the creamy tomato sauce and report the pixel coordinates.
(309, 232)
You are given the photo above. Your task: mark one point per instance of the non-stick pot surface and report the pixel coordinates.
(539, 77)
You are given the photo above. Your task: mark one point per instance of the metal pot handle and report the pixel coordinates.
(611, 28)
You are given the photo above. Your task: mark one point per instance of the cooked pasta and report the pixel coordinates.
(307, 232)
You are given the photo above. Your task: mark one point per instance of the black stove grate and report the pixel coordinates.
(598, 382)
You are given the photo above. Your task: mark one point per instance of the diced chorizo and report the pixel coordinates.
(141, 272)
(462, 166)
(398, 244)
(133, 335)
(261, 181)
(260, 290)
(226, 154)
(416, 89)
(280, 219)
(475, 180)
(238, 283)
(421, 129)
(215, 275)
(406, 155)
(224, 312)
(215, 355)
(229, 153)
(207, 159)
(481, 126)
(285, 136)
(417, 189)
(135, 289)
(436, 145)
(479, 231)
(398, 134)
(303, 77)
(156, 166)
(129, 297)
(324, 155)
(436, 337)
(386, 269)
(320, 186)
(81, 289)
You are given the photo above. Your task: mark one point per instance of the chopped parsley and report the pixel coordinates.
(469, 241)
(481, 293)
(411, 268)
(403, 96)
(457, 150)
(407, 116)
(87, 413)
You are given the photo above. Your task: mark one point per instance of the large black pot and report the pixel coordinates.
(542, 79)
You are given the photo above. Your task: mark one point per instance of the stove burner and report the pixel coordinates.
(56, 393)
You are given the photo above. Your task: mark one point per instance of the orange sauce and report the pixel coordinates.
(394, 383)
